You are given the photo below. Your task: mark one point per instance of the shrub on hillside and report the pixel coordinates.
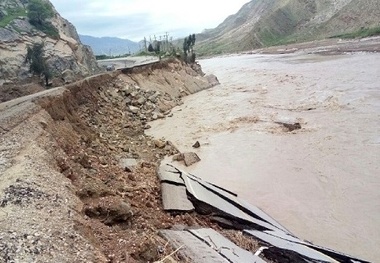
(37, 62)
(38, 13)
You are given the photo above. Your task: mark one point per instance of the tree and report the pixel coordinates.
(39, 11)
(37, 62)
(150, 48)
(157, 47)
(188, 44)
(193, 40)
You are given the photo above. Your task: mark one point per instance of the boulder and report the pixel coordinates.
(68, 76)
(196, 144)
(134, 109)
(190, 158)
(160, 144)
(110, 210)
(212, 79)
(141, 100)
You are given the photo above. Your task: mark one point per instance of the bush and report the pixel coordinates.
(38, 13)
(37, 62)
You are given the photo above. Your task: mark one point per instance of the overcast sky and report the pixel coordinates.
(134, 19)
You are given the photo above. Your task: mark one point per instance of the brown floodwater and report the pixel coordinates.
(321, 182)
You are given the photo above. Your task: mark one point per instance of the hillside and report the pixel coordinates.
(110, 45)
(261, 23)
(63, 53)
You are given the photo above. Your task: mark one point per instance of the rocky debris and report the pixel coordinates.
(190, 158)
(110, 210)
(21, 195)
(196, 144)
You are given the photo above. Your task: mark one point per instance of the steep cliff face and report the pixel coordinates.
(61, 53)
(261, 23)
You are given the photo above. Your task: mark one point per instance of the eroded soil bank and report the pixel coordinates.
(78, 175)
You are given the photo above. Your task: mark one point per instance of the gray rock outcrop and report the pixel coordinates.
(64, 53)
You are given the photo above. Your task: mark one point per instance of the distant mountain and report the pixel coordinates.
(110, 45)
(261, 23)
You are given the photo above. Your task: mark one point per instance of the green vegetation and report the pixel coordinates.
(11, 14)
(38, 66)
(38, 13)
(363, 32)
(188, 48)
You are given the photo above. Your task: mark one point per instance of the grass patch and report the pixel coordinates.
(364, 32)
(12, 14)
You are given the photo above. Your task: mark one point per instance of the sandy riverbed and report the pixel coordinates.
(322, 182)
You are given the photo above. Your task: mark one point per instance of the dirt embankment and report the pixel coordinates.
(78, 175)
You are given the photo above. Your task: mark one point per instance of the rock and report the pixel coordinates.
(154, 116)
(159, 144)
(160, 115)
(127, 90)
(8, 36)
(290, 126)
(196, 144)
(212, 79)
(85, 161)
(190, 158)
(62, 52)
(178, 157)
(128, 101)
(110, 210)
(68, 76)
(153, 98)
(127, 164)
(134, 109)
(141, 100)
(147, 127)
(134, 94)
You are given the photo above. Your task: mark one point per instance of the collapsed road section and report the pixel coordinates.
(184, 192)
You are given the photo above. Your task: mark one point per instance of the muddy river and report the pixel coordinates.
(322, 182)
